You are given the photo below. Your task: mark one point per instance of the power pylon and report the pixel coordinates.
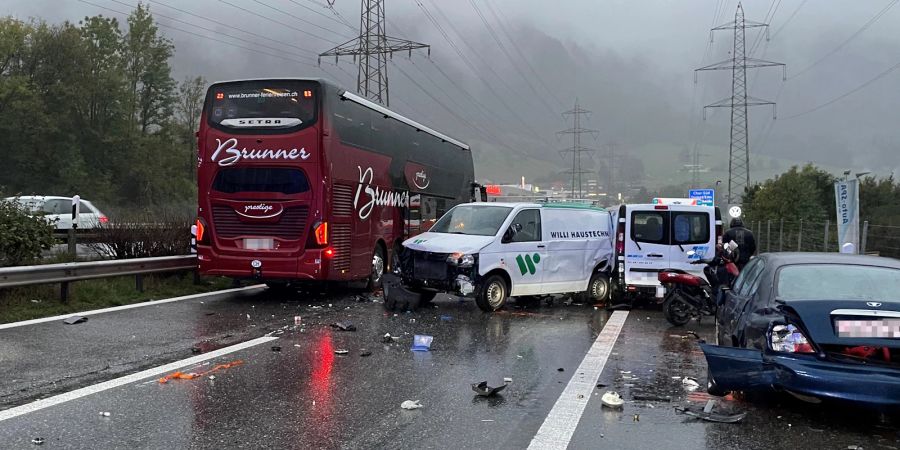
(577, 149)
(739, 149)
(373, 47)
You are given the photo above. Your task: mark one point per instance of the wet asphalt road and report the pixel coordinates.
(306, 396)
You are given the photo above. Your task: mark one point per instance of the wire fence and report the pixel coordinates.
(802, 236)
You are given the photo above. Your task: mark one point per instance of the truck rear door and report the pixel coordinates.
(646, 245)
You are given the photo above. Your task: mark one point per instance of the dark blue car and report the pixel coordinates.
(815, 325)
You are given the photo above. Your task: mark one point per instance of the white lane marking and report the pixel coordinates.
(111, 384)
(560, 424)
(124, 307)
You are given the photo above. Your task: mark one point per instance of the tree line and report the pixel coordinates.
(92, 109)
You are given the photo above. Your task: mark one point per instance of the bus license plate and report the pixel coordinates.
(660, 291)
(259, 244)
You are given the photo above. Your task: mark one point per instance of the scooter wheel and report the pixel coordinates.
(677, 312)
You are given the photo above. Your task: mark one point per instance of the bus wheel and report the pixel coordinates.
(377, 269)
(493, 294)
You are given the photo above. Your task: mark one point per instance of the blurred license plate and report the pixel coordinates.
(875, 328)
(660, 291)
(259, 244)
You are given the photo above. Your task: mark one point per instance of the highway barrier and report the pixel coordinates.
(66, 273)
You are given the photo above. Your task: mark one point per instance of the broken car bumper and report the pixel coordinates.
(739, 369)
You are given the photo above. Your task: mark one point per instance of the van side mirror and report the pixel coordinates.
(510, 233)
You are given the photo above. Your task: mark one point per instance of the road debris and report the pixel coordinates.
(387, 338)
(507, 380)
(276, 348)
(196, 350)
(341, 351)
(711, 416)
(298, 320)
(365, 353)
(484, 390)
(612, 400)
(560, 370)
(344, 326)
(422, 343)
(74, 320)
(38, 441)
(193, 375)
(710, 404)
(651, 398)
(636, 417)
(690, 383)
(446, 318)
(411, 404)
(104, 414)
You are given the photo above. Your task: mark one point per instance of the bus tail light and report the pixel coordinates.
(202, 236)
(329, 252)
(321, 233)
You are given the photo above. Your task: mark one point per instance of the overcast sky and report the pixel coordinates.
(630, 62)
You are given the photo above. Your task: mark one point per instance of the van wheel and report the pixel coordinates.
(493, 294)
(599, 288)
(375, 277)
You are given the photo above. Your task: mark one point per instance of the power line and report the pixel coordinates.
(499, 42)
(299, 30)
(155, 14)
(230, 44)
(300, 19)
(333, 19)
(865, 27)
(230, 27)
(788, 20)
(848, 93)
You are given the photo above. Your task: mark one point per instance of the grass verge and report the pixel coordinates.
(34, 302)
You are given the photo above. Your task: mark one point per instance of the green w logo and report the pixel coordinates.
(527, 263)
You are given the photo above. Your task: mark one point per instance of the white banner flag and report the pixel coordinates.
(846, 195)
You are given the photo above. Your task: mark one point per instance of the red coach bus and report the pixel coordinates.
(300, 181)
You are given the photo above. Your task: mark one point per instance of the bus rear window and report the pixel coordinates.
(259, 179)
(276, 105)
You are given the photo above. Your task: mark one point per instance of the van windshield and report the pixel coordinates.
(477, 220)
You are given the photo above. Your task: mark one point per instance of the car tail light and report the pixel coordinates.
(104, 219)
(202, 236)
(321, 232)
(789, 339)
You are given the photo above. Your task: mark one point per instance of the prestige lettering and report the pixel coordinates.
(260, 207)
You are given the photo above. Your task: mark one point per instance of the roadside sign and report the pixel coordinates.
(705, 197)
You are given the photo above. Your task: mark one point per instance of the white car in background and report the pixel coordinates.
(58, 210)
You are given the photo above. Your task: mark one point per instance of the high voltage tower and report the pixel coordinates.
(739, 149)
(577, 149)
(373, 47)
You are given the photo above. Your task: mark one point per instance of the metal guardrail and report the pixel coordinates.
(66, 273)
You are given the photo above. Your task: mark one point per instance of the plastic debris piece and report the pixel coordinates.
(387, 338)
(212, 377)
(38, 441)
(710, 404)
(612, 400)
(507, 379)
(276, 348)
(411, 404)
(651, 398)
(487, 420)
(560, 370)
(298, 320)
(248, 316)
(446, 318)
(297, 345)
(600, 385)
(344, 326)
(690, 383)
(341, 351)
(636, 417)
(484, 390)
(626, 372)
(75, 319)
(365, 353)
(422, 343)
(412, 320)
(713, 417)
(196, 350)
(192, 375)
(104, 413)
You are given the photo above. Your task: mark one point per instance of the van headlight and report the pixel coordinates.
(461, 260)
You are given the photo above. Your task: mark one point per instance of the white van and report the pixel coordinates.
(653, 237)
(495, 250)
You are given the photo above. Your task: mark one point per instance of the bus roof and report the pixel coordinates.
(347, 95)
